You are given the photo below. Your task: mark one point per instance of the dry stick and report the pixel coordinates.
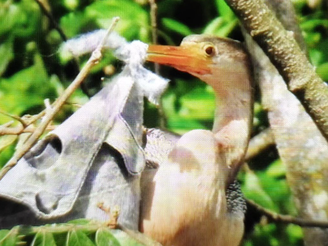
(94, 59)
(284, 52)
(153, 20)
(52, 20)
(259, 143)
(64, 38)
(26, 121)
(154, 32)
(287, 218)
(14, 117)
(20, 130)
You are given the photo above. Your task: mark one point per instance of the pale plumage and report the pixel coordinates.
(191, 198)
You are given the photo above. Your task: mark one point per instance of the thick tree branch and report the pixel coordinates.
(284, 52)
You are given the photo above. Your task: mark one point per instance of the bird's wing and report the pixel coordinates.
(159, 144)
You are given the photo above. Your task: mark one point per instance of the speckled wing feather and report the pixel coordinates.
(159, 144)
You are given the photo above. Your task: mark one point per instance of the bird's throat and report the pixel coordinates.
(233, 115)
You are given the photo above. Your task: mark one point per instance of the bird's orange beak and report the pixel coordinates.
(186, 59)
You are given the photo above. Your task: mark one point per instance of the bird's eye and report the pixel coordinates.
(209, 50)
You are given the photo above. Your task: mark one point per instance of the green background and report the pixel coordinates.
(32, 68)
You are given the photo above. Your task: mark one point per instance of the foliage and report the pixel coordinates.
(78, 232)
(31, 70)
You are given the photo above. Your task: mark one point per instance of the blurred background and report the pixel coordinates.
(32, 68)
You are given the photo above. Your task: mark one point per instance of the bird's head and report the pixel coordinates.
(204, 56)
(224, 65)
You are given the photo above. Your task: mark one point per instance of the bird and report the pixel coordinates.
(189, 195)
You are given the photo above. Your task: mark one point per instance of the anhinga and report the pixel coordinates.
(191, 198)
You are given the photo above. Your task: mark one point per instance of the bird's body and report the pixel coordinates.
(184, 200)
(188, 209)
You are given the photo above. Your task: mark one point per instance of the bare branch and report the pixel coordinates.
(287, 218)
(284, 52)
(14, 117)
(19, 130)
(153, 19)
(52, 19)
(259, 143)
(93, 60)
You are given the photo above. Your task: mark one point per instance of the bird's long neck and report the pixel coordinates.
(233, 116)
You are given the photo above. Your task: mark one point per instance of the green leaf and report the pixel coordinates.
(26, 89)
(198, 104)
(7, 140)
(105, 238)
(8, 237)
(8, 17)
(214, 25)
(322, 71)
(134, 20)
(176, 26)
(43, 238)
(78, 238)
(276, 169)
(125, 239)
(295, 232)
(253, 190)
(224, 10)
(311, 23)
(73, 23)
(182, 125)
(6, 54)
(21, 18)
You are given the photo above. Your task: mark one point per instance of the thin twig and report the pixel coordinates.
(26, 122)
(52, 19)
(287, 218)
(14, 117)
(19, 130)
(153, 20)
(93, 60)
(64, 38)
(154, 32)
(259, 143)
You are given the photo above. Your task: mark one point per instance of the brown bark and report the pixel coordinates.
(301, 146)
(284, 52)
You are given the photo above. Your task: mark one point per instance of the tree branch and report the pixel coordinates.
(284, 52)
(259, 143)
(153, 20)
(287, 218)
(47, 13)
(52, 19)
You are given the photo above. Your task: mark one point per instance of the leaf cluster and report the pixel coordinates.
(78, 232)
